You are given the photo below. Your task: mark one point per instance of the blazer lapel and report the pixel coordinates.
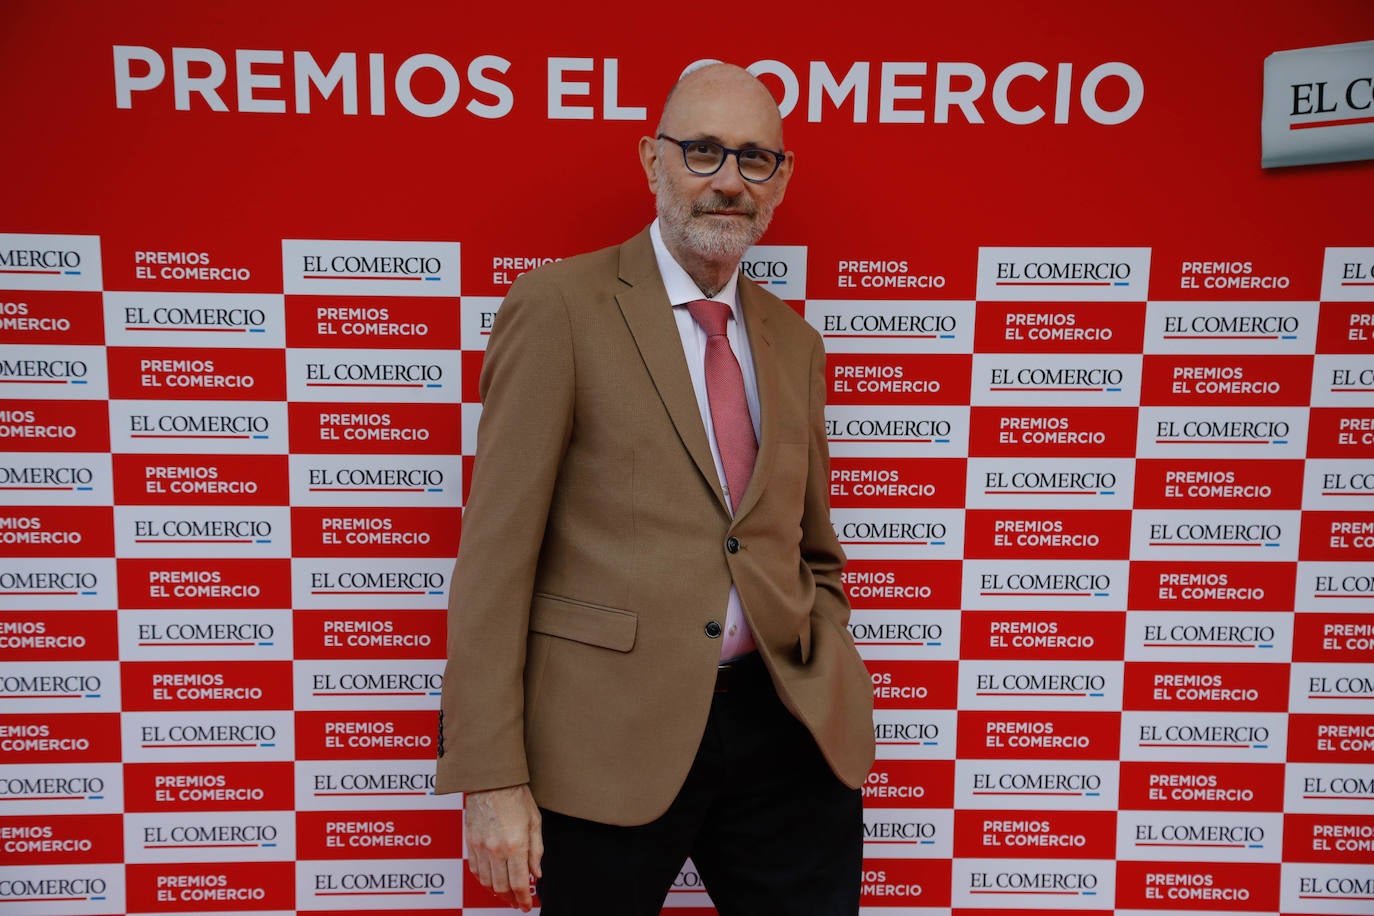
(650, 319)
(766, 374)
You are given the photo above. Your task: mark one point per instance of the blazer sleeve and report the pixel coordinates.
(527, 391)
(820, 548)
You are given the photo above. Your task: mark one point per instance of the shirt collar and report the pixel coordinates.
(679, 284)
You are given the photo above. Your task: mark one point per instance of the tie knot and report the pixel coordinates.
(709, 315)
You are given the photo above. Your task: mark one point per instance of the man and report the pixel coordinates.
(648, 652)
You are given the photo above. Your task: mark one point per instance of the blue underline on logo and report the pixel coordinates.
(1260, 746)
(1288, 337)
(262, 437)
(436, 593)
(267, 844)
(267, 644)
(1271, 545)
(946, 441)
(90, 593)
(92, 696)
(85, 488)
(257, 330)
(438, 893)
(433, 278)
(435, 490)
(96, 797)
(434, 384)
(1088, 893)
(1122, 283)
(1106, 492)
(78, 381)
(267, 744)
(1266, 645)
(937, 543)
(74, 273)
(1093, 794)
(1256, 845)
(1101, 594)
(436, 693)
(777, 282)
(263, 541)
(946, 336)
(930, 743)
(1280, 442)
(95, 898)
(927, 842)
(931, 643)
(1097, 694)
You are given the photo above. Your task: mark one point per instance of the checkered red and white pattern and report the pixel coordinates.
(1101, 438)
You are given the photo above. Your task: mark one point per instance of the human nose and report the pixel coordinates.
(727, 179)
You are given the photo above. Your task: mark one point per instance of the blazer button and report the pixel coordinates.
(732, 544)
(713, 629)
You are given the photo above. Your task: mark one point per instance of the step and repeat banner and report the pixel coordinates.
(1097, 287)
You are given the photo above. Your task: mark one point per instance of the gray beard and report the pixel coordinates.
(719, 244)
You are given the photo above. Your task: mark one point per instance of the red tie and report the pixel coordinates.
(725, 392)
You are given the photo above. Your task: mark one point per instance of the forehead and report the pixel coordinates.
(732, 107)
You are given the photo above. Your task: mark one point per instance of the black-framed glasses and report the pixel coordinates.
(705, 157)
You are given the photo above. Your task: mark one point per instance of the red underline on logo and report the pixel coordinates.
(129, 327)
(201, 846)
(990, 792)
(1053, 283)
(1054, 893)
(346, 592)
(54, 488)
(1041, 493)
(381, 490)
(1310, 696)
(1339, 493)
(44, 696)
(1042, 594)
(887, 336)
(1340, 122)
(1308, 897)
(1314, 595)
(882, 440)
(239, 744)
(170, 436)
(1357, 283)
(1344, 797)
(42, 797)
(371, 693)
(922, 643)
(351, 794)
(1035, 388)
(1221, 337)
(1351, 389)
(1184, 744)
(193, 541)
(359, 277)
(1200, 645)
(1204, 544)
(37, 593)
(1199, 845)
(42, 899)
(890, 543)
(1219, 441)
(363, 385)
(36, 272)
(179, 644)
(1013, 693)
(26, 381)
(368, 893)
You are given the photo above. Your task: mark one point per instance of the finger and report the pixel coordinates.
(483, 870)
(500, 875)
(537, 853)
(520, 884)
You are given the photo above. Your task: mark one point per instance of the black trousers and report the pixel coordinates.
(768, 826)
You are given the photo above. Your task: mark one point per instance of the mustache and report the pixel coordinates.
(718, 204)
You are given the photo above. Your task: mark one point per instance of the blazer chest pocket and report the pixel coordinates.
(580, 621)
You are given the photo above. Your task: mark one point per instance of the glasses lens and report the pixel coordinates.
(703, 156)
(757, 164)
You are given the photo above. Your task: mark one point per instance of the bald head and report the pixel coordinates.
(706, 95)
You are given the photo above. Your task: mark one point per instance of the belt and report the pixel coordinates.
(740, 673)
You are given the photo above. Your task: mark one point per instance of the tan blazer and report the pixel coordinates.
(594, 549)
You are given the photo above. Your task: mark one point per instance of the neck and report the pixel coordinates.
(710, 275)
